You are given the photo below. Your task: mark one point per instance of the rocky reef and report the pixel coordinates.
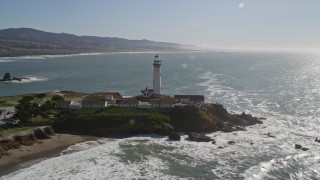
(7, 77)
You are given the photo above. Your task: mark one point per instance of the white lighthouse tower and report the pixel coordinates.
(156, 76)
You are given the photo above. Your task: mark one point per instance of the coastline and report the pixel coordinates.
(26, 156)
(43, 56)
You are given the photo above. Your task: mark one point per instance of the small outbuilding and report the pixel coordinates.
(192, 100)
(63, 104)
(94, 101)
(144, 105)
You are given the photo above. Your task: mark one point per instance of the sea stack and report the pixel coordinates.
(7, 77)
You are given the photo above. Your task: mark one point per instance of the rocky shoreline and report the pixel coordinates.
(7, 77)
(26, 138)
(215, 118)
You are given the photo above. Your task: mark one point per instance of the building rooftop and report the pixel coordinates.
(92, 99)
(115, 95)
(190, 97)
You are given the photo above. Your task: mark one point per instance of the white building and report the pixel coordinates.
(74, 105)
(156, 76)
(63, 104)
(127, 103)
(144, 105)
(146, 93)
(192, 100)
(156, 91)
(94, 102)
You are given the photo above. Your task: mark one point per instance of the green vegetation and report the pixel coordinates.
(14, 130)
(37, 42)
(14, 100)
(41, 107)
(57, 98)
(133, 120)
(70, 97)
(29, 109)
(157, 115)
(9, 100)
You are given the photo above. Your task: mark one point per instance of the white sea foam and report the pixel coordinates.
(299, 166)
(154, 157)
(100, 162)
(30, 79)
(6, 60)
(233, 99)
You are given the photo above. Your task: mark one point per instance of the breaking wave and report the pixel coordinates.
(30, 80)
(6, 60)
(300, 166)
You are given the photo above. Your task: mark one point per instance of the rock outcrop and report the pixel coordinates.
(174, 136)
(298, 146)
(7, 77)
(199, 137)
(210, 118)
(27, 138)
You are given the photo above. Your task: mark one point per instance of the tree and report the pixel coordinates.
(40, 96)
(57, 98)
(29, 108)
(25, 109)
(46, 109)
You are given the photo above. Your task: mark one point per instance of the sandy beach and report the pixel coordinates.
(28, 155)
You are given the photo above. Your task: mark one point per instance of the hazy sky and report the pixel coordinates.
(210, 23)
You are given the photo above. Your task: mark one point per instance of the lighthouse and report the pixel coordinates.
(156, 76)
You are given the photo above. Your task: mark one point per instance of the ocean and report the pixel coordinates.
(280, 86)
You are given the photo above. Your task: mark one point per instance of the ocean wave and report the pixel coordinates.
(101, 162)
(29, 80)
(6, 60)
(154, 157)
(235, 100)
(299, 166)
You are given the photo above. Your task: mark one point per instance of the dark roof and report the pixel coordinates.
(61, 103)
(93, 100)
(115, 95)
(147, 90)
(71, 92)
(127, 101)
(162, 101)
(191, 97)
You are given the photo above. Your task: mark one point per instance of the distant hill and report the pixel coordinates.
(27, 41)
